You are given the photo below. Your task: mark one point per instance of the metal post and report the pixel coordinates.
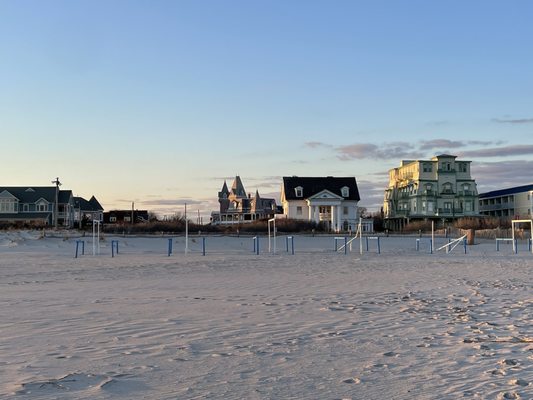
(203, 246)
(77, 243)
(431, 246)
(169, 247)
(345, 245)
(379, 247)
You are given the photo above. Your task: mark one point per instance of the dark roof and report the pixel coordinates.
(84, 205)
(505, 192)
(31, 194)
(314, 185)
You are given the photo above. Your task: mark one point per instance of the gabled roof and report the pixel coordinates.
(31, 194)
(505, 192)
(84, 205)
(314, 185)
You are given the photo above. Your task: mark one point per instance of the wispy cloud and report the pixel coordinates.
(315, 145)
(513, 121)
(171, 202)
(440, 143)
(360, 151)
(504, 151)
(502, 174)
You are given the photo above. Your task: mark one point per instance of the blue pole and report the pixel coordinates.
(77, 244)
(464, 244)
(257, 247)
(431, 246)
(366, 239)
(516, 246)
(112, 248)
(379, 247)
(203, 246)
(292, 243)
(287, 243)
(417, 244)
(82, 247)
(497, 245)
(345, 245)
(169, 251)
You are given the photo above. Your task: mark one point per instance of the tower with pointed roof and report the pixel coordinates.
(236, 206)
(223, 198)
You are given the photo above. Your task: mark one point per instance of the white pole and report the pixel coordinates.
(94, 235)
(186, 231)
(360, 235)
(268, 224)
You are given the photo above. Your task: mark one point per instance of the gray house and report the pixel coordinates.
(36, 205)
(87, 210)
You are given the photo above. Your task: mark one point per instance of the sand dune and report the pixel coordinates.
(316, 325)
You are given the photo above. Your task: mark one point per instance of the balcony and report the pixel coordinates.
(450, 211)
(466, 193)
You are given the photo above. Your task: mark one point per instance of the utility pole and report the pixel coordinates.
(56, 206)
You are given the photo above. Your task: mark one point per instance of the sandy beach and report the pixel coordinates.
(319, 324)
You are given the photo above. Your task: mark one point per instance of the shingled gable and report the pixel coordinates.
(314, 185)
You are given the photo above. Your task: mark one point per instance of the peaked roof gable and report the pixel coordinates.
(325, 194)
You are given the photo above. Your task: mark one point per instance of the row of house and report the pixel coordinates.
(439, 189)
(332, 201)
(46, 205)
(51, 206)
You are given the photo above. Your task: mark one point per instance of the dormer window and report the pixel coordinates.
(299, 191)
(345, 191)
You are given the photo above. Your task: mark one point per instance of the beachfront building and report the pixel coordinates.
(121, 217)
(86, 211)
(439, 189)
(36, 205)
(514, 203)
(236, 206)
(328, 200)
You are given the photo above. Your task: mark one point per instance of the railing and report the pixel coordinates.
(440, 170)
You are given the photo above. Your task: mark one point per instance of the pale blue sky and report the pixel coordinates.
(158, 102)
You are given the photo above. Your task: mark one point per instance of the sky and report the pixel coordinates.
(158, 102)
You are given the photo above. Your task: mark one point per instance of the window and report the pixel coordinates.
(427, 167)
(26, 207)
(127, 219)
(299, 210)
(448, 205)
(41, 207)
(423, 206)
(463, 167)
(345, 210)
(7, 205)
(299, 191)
(112, 219)
(447, 188)
(345, 191)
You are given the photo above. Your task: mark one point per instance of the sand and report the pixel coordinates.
(319, 324)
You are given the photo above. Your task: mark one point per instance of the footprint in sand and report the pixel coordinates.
(352, 380)
(519, 382)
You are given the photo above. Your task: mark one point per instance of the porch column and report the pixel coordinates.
(334, 218)
(339, 224)
(316, 217)
(311, 212)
